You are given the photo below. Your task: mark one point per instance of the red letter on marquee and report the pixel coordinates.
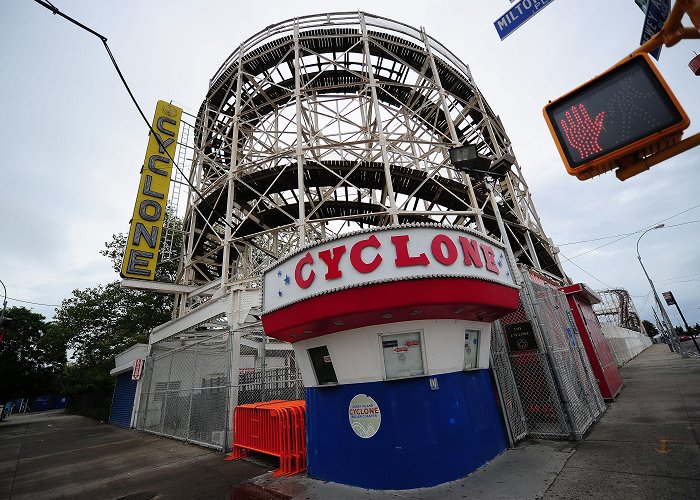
(471, 252)
(489, 257)
(437, 248)
(356, 255)
(304, 283)
(403, 259)
(332, 260)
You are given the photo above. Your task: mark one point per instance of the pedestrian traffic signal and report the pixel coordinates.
(627, 112)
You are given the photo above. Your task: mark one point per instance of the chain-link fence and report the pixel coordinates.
(541, 404)
(572, 369)
(187, 393)
(556, 386)
(506, 384)
(267, 374)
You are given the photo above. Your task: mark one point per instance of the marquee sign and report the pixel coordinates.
(384, 255)
(142, 247)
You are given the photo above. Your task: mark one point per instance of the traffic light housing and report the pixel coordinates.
(624, 114)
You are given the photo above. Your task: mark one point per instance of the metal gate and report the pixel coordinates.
(509, 396)
(187, 391)
(558, 394)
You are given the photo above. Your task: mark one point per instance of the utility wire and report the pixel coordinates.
(636, 232)
(48, 5)
(679, 213)
(639, 231)
(622, 234)
(679, 277)
(671, 282)
(597, 239)
(34, 303)
(646, 299)
(589, 274)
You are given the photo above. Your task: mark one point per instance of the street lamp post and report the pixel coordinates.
(664, 316)
(4, 304)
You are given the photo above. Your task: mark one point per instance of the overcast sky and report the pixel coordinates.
(72, 143)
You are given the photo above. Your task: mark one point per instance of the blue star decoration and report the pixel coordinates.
(287, 280)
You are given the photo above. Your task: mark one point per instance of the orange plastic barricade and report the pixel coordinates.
(275, 428)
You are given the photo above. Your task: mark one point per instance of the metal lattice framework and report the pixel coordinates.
(325, 124)
(616, 307)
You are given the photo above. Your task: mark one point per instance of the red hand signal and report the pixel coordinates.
(582, 132)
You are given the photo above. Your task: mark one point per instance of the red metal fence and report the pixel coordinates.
(275, 428)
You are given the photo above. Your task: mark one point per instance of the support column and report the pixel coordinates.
(232, 173)
(393, 209)
(301, 189)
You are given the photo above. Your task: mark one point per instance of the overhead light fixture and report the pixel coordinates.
(339, 323)
(501, 166)
(466, 158)
(308, 332)
(387, 315)
(416, 312)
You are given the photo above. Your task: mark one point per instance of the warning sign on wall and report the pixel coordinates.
(521, 337)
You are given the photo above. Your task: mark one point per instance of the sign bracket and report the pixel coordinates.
(673, 30)
(672, 33)
(633, 165)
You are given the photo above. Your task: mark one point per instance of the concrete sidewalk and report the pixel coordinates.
(645, 446)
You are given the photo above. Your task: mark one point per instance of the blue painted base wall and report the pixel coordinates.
(425, 438)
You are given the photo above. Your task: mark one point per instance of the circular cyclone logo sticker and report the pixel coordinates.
(365, 417)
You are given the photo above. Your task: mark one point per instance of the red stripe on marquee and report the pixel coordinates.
(435, 298)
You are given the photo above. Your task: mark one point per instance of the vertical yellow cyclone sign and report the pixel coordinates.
(143, 244)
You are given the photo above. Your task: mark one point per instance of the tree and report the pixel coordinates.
(100, 322)
(166, 269)
(650, 328)
(32, 354)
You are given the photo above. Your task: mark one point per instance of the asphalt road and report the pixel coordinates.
(54, 455)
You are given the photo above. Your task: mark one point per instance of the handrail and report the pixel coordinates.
(337, 19)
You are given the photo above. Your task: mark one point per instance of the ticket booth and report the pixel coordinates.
(581, 300)
(391, 329)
